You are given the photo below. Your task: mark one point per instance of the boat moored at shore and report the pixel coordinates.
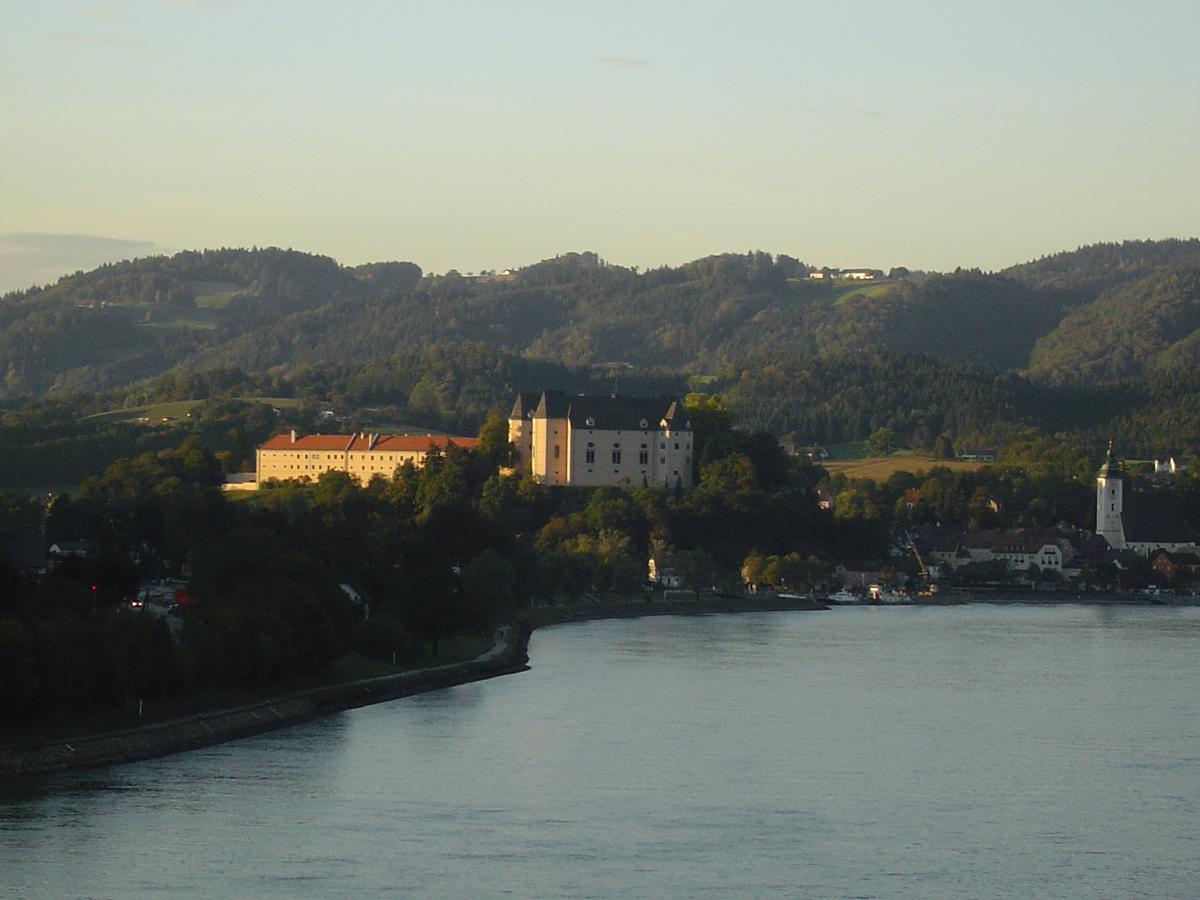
(845, 598)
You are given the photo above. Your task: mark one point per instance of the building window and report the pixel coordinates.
(616, 457)
(556, 451)
(643, 456)
(677, 445)
(589, 455)
(662, 460)
(589, 422)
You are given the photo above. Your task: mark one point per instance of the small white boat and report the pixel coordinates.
(844, 597)
(884, 596)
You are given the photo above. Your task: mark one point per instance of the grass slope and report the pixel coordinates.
(881, 468)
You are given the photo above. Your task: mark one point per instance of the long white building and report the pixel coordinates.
(304, 457)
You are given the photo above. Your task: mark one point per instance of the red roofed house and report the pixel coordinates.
(288, 456)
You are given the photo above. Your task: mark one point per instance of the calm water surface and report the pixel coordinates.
(965, 751)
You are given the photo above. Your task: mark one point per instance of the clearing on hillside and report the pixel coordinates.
(881, 468)
(180, 409)
(214, 294)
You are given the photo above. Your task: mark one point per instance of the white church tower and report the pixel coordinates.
(1110, 481)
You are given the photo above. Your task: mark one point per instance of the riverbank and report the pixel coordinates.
(1057, 598)
(507, 656)
(669, 603)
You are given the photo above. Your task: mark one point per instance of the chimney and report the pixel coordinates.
(293, 435)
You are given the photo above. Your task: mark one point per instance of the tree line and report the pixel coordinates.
(130, 321)
(448, 548)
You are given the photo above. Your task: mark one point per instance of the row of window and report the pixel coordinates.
(297, 466)
(644, 472)
(589, 455)
(373, 457)
(589, 422)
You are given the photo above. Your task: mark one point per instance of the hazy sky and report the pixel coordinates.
(476, 135)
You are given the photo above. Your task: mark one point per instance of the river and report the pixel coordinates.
(995, 751)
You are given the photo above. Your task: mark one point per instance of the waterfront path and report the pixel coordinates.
(508, 655)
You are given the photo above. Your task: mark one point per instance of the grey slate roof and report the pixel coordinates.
(1150, 520)
(611, 413)
(622, 413)
(553, 405)
(525, 405)
(1112, 466)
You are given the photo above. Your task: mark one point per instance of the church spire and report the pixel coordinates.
(1112, 466)
(1109, 501)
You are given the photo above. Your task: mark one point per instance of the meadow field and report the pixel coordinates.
(881, 468)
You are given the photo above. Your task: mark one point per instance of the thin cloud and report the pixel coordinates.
(27, 259)
(98, 40)
(197, 4)
(841, 110)
(623, 62)
(106, 13)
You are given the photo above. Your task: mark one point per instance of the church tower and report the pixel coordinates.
(1110, 481)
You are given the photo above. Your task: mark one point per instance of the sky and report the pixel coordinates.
(486, 135)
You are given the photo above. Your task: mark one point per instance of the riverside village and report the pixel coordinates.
(1135, 547)
(593, 441)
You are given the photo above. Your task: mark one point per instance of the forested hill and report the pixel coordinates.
(132, 320)
(271, 310)
(1086, 273)
(1149, 325)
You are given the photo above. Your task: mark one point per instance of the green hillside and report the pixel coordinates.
(1103, 312)
(1149, 325)
(1087, 272)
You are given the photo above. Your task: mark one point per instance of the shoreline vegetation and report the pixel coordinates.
(508, 655)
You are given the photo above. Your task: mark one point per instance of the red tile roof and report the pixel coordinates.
(422, 442)
(307, 442)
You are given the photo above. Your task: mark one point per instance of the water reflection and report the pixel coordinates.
(891, 752)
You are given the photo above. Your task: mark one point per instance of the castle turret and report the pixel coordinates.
(520, 431)
(1110, 482)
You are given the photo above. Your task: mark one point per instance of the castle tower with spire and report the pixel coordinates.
(1110, 482)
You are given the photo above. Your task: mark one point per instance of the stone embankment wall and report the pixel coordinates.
(507, 656)
(675, 603)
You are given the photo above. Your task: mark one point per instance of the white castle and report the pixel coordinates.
(589, 441)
